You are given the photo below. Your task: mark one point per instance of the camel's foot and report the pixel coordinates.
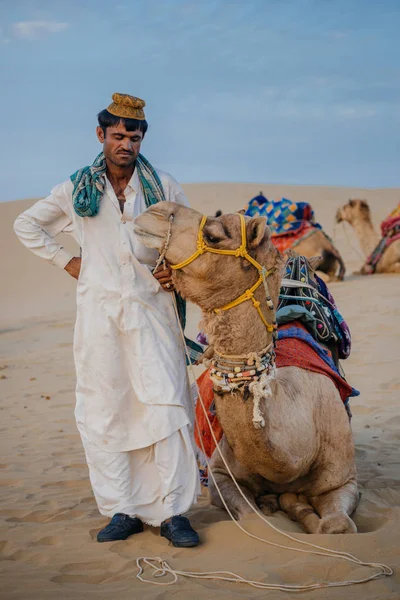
(268, 503)
(239, 504)
(298, 509)
(395, 268)
(337, 523)
(324, 276)
(334, 508)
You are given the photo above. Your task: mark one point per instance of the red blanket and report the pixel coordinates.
(289, 353)
(283, 241)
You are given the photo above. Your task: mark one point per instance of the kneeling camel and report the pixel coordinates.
(298, 454)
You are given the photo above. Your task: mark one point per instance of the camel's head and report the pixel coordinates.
(353, 211)
(211, 280)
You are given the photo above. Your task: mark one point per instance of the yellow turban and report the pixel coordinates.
(127, 107)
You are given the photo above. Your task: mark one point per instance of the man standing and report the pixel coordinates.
(133, 405)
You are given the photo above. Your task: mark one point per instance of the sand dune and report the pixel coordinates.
(47, 512)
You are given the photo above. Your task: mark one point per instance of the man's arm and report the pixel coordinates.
(37, 227)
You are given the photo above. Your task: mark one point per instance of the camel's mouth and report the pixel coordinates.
(148, 237)
(339, 217)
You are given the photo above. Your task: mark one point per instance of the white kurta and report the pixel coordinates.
(132, 385)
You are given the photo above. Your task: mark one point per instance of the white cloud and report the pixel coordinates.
(356, 112)
(35, 30)
(338, 34)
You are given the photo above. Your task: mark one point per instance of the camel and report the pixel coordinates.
(331, 267)
(358, 214)
(299, 456)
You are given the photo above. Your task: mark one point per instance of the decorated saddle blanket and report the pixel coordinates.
(289, 221)
(295, 347)
(311, 302)
(390, 229)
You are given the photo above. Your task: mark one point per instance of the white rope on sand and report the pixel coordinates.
(161, 568)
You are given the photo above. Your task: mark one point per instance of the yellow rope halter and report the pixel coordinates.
(239, 252)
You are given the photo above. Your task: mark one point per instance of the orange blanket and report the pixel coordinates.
(289, 352)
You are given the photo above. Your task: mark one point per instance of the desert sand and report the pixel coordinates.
(48, 514)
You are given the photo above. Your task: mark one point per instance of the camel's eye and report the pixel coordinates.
(211, 238)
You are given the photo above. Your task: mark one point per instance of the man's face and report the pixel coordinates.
(120, 147)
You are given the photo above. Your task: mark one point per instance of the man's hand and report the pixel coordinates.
(163, 276)
(74, 267)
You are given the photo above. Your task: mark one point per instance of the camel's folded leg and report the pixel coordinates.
(335, 508)
(395, 268)
(268, 503)
(324, 276)
(234, 500)
(298, 509)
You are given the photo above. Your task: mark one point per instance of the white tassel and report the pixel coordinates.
(260, 390)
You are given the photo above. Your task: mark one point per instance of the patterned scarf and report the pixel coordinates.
(89, 184)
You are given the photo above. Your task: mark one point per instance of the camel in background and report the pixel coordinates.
(357, 213)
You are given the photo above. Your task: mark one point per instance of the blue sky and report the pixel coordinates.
(291, 91)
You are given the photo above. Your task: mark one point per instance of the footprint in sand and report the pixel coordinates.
(59, 325)
(3, 544)
(10, 482)
(31, 557)
(74, 466)
(41, 516)
(92, 573)
(393, 384)
(367, 525)
(71, 483)
(49, 540)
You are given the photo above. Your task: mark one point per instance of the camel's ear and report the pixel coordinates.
(256, 230)
(314, 262)
(290, 253)
(242, 211)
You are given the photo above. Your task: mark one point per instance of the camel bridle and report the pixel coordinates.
(240, 252)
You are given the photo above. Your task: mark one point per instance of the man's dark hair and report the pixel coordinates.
(106, 119)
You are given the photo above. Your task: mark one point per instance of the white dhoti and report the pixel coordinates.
(152, 483)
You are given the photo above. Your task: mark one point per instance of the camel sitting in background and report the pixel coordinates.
(299, 455)
(331, 267)
(358, 214)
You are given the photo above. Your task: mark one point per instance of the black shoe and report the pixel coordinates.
(119, 528)
(179, 531)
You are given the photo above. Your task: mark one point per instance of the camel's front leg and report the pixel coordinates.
(233, 498)
(335, 508)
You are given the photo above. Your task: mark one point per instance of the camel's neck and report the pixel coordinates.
(239, 330)
(367, 237)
